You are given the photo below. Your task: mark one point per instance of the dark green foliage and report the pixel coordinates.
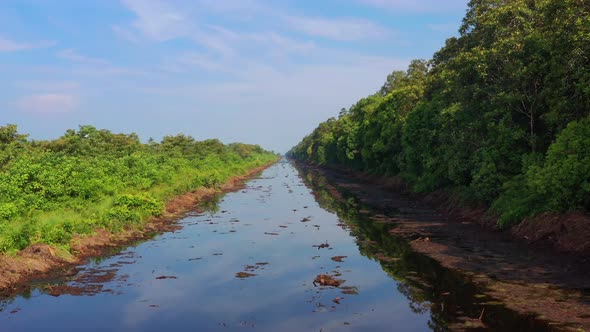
(564, 179)
(485, 118)
(90, 178)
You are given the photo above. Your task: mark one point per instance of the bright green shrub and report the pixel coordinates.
(142, 202)
(564, 180)
(8, 211)
(90, 178)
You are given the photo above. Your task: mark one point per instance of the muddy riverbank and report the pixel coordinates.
(41, 261)
(532, 280)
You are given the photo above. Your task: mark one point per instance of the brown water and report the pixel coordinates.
(249, 263)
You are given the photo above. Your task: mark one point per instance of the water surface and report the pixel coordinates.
(275, 231)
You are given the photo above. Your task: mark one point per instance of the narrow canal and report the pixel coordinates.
(252, 261)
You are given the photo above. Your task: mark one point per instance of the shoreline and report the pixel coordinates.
(528, 278)
(42, 261)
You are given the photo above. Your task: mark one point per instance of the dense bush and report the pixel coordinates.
(564, 179)
(90, 178)
(486, 118)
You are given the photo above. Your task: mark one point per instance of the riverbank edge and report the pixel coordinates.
(562, 305)
(563, 232)
(42, 261)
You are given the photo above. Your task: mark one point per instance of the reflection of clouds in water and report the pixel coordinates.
(218, 274)
(378, 316)
(180, 295)
(160, 293)
(177, 293)
(281, 297)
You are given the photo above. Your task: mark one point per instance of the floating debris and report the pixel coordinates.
(320, 246)
(243, 275)
(268, 233)
(306, 219)
(338, 258)
(349, 290)
(166, 277)
(327, 280)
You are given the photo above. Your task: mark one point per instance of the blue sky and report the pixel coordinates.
(254, 71)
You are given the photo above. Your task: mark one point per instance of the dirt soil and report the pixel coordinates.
(540, 267)
(41, 261)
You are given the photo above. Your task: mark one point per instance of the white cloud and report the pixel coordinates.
(299, 94)
(7, 45)
(74, 56)
(342, 29)
(55, 86)
(48, 103)
(95, 67)
(156, 20)
(420, 6)
(159, 21)
(125, 33)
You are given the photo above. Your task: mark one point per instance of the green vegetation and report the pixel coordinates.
(89, 179)
(499, 115)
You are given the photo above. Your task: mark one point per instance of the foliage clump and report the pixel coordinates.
(91, 178)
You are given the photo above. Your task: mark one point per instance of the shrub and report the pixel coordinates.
(564, 179)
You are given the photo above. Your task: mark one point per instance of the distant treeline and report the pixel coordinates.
(499, 115)
(90, 178)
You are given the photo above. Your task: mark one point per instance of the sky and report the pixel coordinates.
(255, 71)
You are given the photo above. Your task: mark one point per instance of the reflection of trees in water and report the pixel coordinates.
(4, 303)
(210, 205)
(449, 296)
(374, 242)
(7, 301)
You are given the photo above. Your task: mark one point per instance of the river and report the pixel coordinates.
(249, 260)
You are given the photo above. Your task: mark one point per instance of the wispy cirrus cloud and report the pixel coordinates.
(49, 85)
(8, 45)
(72, 55)
(159, 21)
(48, 103)
(342, 29)
(156, 20)
(419, 6)
(86, 65)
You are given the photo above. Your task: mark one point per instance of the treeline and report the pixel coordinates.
(499, 115)
(90, 178)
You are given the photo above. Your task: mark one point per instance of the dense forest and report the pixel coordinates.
(499, 116)
(90, 178)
